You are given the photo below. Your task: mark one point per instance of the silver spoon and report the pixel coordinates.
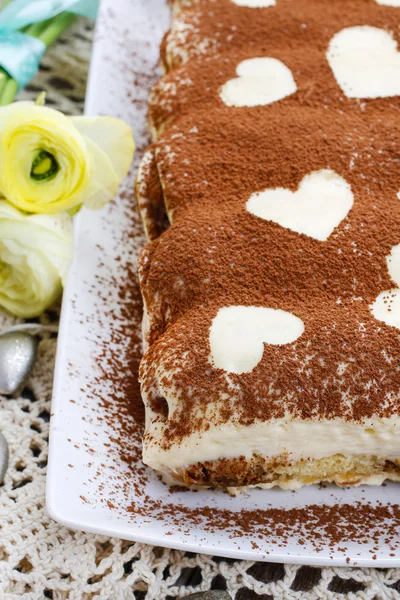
(18, 351)
(211, 595)
(4, 455)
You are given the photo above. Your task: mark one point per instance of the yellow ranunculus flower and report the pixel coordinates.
(35, 253)
(50, 163)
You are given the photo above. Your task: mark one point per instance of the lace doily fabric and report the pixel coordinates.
(41, 559)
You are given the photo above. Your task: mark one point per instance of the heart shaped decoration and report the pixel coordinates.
(386, 307)
(17, 357)
(389, 2)
(393, 263)
(365, 62)
(321, 202)
(238, 335)
(260, 81)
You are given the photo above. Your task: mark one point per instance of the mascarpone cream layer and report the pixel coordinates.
(296, 439)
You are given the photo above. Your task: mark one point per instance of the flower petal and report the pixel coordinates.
(35, 253)
(113, 136)
(27, 130)
(104, 183)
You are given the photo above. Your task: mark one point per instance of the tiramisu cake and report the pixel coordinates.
(271, 282)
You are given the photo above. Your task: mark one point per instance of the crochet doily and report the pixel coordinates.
(41, 559)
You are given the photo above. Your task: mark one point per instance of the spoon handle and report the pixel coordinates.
(4, 456)
(32, 327)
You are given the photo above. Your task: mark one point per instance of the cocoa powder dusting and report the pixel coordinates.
(210, 159)
(237, 258)
(208, 164)
(321, 525)
(121, 414)
(210, 27)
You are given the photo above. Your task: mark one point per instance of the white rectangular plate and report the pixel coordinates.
(96, 481)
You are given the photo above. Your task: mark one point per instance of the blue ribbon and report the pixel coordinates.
(20, 54)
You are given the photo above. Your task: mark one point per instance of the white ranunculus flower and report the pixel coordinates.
(35, 253)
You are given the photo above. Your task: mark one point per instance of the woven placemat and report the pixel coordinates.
(39, 558)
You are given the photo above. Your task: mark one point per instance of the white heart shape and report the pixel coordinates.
(238, 335)
(321, 202)
(260, 81)
(255, 3)
(389, 2)
(386, 307)
(393, 264)
(365, 62)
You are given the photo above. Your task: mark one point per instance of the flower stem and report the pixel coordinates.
(56, 27)
(47, 31)
(3, 80)
(36, 29)
(9, 92)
